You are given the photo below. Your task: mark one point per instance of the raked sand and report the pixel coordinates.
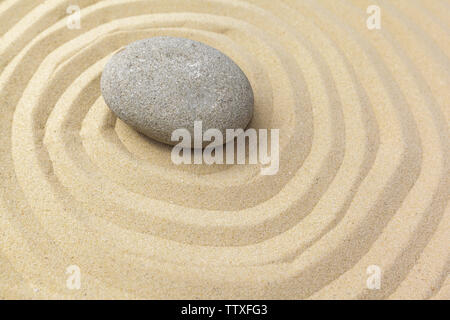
(364, 156)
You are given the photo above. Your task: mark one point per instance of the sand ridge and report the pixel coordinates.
(364, 159)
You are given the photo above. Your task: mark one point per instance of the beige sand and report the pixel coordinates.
(364, 175)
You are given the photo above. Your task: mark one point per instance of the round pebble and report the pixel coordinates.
(161, 84)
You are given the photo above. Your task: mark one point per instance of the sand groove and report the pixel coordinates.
(364, 156)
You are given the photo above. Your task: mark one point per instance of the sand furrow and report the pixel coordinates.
(364, 156)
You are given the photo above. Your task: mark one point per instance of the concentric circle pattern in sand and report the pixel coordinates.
(364, 155)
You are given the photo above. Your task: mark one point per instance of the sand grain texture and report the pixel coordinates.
(364, 156)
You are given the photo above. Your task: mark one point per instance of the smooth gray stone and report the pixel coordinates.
(161, 84)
